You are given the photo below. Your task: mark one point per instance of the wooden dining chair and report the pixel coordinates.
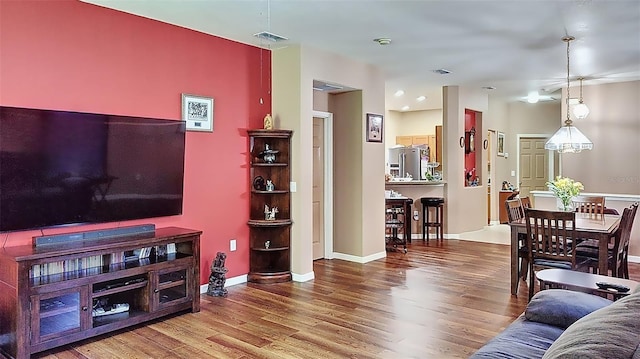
(550, 237)
(515, 213)
(589, 204)
(618, 250)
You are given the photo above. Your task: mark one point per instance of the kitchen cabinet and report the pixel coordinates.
(404, 140)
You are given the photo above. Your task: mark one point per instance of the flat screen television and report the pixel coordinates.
(61, 168)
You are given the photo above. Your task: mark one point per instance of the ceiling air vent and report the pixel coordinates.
(442, 71)
(323, 86)
(269, 36)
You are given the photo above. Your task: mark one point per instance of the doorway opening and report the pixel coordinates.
(322, 240)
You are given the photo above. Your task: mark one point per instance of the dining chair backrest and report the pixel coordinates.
(589, 204)
(621, 244)
(551, 235)
(525, 202)
(514, 210)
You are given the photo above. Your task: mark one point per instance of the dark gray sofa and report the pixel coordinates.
(564, 324)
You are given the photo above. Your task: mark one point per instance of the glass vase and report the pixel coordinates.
(565, 204)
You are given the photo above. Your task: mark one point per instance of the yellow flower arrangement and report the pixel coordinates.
(565, 188)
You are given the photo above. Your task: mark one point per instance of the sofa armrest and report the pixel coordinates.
(561, 308)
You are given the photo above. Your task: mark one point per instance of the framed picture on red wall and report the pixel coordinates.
(197, 112)
(374, 127)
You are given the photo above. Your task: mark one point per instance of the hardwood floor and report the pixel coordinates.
(442, 300)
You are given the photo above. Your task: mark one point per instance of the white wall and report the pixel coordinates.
(465, 207)
(613, 125)
(294, 69)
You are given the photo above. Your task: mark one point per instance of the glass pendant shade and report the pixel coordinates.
(581, 111)
(568, 139)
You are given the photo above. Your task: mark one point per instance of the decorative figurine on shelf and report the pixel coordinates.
(269, 186)
(267, 244)
(268, 155)
(217, 277)
(268, 122)
(270, 214)
(258, 183)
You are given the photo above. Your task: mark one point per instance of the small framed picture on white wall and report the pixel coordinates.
(500, 151)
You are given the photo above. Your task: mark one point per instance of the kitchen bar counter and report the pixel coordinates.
(415, 190)
(415, 183)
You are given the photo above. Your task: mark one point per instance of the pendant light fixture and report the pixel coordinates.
(568, 138)
(581, 111)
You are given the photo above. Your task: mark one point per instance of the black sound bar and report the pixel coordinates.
(98, 234)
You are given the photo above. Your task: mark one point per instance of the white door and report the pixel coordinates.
(534, 165)
(318, 188)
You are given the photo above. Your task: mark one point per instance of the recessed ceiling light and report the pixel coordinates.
(421, 98)
(442, 71)
(398, 93)
(405, 108)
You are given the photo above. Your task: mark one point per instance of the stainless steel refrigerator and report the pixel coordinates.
(406, 160)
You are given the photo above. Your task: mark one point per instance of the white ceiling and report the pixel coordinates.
(512, 45)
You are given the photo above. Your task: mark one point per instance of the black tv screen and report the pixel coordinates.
(60, 168)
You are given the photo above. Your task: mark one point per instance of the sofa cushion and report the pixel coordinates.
(522, 339)
(611, 332)
(562, 307)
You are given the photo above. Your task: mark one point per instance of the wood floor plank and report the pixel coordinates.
(440, 300)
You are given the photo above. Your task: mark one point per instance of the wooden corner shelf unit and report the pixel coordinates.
(269, 236)
(58, 294)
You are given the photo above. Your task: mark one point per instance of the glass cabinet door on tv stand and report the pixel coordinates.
(270, 202)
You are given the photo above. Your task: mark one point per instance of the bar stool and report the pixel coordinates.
(437, 203)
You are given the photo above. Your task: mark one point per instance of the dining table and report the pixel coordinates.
(588, 226)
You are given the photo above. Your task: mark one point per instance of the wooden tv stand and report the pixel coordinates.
(47, 294)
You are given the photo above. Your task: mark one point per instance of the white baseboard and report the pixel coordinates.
(229, 282)
(302, 277)
(357, 259)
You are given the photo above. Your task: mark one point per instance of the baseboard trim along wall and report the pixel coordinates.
(357, 259)
(302, 277)
(228, 283)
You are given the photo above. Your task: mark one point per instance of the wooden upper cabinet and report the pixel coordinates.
(404, 140)
(420, 140)
(412, 140)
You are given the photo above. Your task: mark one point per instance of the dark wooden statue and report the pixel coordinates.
(217, 277)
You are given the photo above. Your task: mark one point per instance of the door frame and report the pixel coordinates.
(550, 155)
(328, 181)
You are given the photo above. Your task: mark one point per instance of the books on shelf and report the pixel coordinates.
(171, 248)
(92, 264)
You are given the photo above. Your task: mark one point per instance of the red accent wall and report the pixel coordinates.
(70, 55)
(469, 158)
